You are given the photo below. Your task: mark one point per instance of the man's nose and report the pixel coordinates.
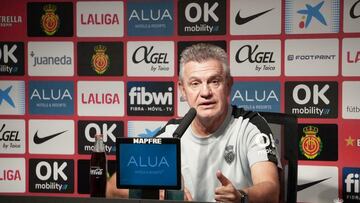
(205, 90)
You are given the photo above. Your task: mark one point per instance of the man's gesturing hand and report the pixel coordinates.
(226, 192)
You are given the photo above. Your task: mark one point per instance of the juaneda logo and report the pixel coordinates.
(100, 58)
(351, 184)
(51, 176)
(150, 98)
(202, 17)
(150, 19)
(318, 142)
(109, 129)
(11, 58)
(12, 136)
(50, 19)
(312, 99)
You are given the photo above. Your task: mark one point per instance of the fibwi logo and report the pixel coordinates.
(50, 19)
(150, 18)
(258, 96)
(100, 98)
(51, 175)
(51, 98)
(100, 58)
(351, 184)
(12, 97)
(312, 99)
(150, 98)
(312, 16)
(100, 19)
(202, 17)
(12, 58)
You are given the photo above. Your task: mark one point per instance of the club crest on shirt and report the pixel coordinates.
(229, 154)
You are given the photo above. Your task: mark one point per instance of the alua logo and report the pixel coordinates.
(254, 56)
(310, 145)
(50, 21)
(153, 15)
(100, 60)
(145, 54)
(51, 94)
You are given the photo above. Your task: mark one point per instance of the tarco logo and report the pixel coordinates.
(100, 60)
(50, 21)
(310, 144)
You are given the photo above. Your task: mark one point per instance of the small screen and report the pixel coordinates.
(148, 163)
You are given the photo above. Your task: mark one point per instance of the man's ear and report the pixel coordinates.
(182, 91)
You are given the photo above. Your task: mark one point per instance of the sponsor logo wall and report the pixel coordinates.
(69, 70)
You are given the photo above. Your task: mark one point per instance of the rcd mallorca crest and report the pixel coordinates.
(100, 60)
(310, 144)
(50, 21)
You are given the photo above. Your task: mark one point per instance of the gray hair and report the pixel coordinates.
(202, 52)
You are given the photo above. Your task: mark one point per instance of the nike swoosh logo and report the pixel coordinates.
(40, 140)
(240, 20)
(306, 185)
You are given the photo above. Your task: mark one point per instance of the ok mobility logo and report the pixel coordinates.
(11, 58)
(312, 99)
(51, 176)
(198, 17)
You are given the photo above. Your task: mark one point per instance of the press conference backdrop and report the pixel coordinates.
(71, 69)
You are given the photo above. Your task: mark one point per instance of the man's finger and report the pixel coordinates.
(223, 180)
(187, 195)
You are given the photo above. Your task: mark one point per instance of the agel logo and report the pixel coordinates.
(11, 58)
(202, 17)
(50, 19)
(150, 98)
(312, 99)
(351, 184)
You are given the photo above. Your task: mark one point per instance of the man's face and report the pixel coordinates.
(205, 87)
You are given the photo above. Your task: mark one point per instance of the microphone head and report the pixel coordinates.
(185, 122)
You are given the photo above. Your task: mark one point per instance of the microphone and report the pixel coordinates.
(185, 122)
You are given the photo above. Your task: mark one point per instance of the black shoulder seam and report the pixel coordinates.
(173, 121)
(240, 112)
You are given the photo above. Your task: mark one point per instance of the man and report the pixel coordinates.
(227, 153)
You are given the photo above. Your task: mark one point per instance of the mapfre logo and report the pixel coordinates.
(351, 57)
(150, 98)
(100, 19)
(12, 136)
(351, 184)
(312, 99)
(50, 19)
(51, 175)
(350, 101)
(150, 58)
(202, 17)
(100, 98)
(249, 17)
(11, 58)
(150, 18)
(312, 17)
(100, 58)
(109, 129)
(12, 175)
(311, 57)
(351, 16)
(51, 58)
(51, 98)
(256, 96)
(51, 136)
(255, 57)
(12, 97)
